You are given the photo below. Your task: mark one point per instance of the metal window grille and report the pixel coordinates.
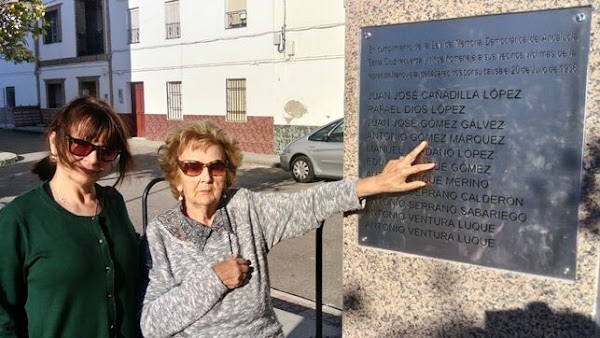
(134, 26)
(52, 17)
(236, 19)
(174, 111)
(236, 100)
(172, 21)
(173, 30)
(134, 35)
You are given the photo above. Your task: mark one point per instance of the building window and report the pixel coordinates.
(174, 111)
(52, 19)
(55, 93)
(235, 14)
(89, 27)
(134, 25)
(236, 100)
(10, 97)
(88, 86)
(173, 26)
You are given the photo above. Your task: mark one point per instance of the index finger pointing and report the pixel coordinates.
(415, 152)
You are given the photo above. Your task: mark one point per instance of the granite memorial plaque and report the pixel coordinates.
(500, 100)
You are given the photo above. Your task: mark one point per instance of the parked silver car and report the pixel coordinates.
(318, 154)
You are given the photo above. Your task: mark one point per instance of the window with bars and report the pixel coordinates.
(236, 100)
(174, 111)
(235, 14)
(134, 25)
(173, 25)
(53, 30)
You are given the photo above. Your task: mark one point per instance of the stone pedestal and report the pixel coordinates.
(394, 294)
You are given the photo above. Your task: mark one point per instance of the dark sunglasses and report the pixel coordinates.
(194, 168)
(79, 147)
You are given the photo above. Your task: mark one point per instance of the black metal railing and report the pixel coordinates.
(236, 19)
(134, 35)
(145, 202)
(173, 30)
(174, 110)
(236, 100)
(90, 43)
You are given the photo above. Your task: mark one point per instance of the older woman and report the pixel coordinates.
(70, 258)
(208, 272)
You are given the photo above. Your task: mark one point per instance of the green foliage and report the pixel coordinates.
(18, 19)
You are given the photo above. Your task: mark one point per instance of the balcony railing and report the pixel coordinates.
(235, 19)
(134, 35)
(173, 30)
(90, 44)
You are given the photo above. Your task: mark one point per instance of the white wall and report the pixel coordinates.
(68, 46)
(207, 54)
(22, 78)
(71, 73)
(314, 75)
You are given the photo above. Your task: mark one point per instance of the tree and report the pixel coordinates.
(19, 19)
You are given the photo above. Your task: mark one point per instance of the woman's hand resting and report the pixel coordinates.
(233, 271)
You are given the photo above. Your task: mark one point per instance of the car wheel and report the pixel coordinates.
(302, 170)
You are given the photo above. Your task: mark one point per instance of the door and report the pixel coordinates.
(10, 97)
(9, 103)
(137, 109)
(330, 154)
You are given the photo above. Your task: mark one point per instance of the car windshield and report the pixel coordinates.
(337, 134)
(321, 134)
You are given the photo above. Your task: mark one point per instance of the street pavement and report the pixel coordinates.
(291, 263)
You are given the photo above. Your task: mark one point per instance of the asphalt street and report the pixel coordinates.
(291, 263)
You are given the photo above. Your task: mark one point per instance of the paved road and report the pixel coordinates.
(292, 262)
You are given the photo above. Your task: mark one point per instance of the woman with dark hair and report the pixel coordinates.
(70, 255)
(207, 263)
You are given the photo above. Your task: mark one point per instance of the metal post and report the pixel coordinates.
(5, 107)
(319, 280)
(145, 202)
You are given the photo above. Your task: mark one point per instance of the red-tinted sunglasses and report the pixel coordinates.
(195, 168)
(79, 147)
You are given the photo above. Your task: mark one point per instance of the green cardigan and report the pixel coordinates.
(63, 275)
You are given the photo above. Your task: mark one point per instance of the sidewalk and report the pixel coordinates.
(141, 145)
(296, 314)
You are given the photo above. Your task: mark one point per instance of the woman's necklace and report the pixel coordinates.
(62, 201)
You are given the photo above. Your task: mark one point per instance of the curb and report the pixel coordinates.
(143, 146)
(304, 302)
(292, 304)
(266, 160)
(270, 161)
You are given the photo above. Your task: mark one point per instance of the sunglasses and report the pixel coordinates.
(79, 147)
(195, 168)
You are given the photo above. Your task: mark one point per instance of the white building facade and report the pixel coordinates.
(264, 70)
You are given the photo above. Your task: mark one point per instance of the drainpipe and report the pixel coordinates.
(108, 50)
(5, 107)
(281, 48)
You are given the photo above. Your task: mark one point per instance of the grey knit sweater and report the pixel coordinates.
(185, 297)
